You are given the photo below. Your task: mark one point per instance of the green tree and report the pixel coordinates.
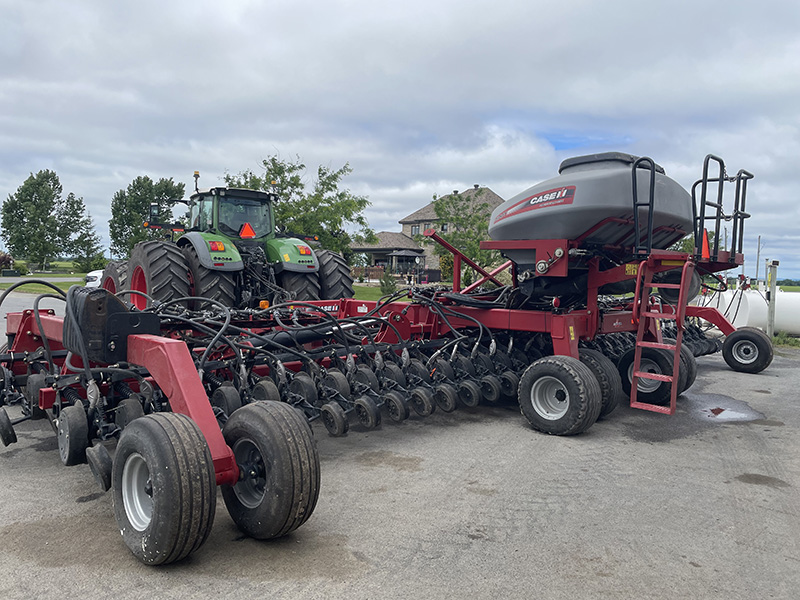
(467, 218)
(38, 223)
(130, 208)
(88, 253)
(327, 210)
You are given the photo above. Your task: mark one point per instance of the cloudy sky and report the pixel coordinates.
(419, 97)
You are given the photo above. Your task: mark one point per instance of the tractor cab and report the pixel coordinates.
(235, 213)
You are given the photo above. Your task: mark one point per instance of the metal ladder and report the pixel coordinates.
(649, 314)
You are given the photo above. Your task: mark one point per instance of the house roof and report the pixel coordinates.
(388, 240)
(474, 194)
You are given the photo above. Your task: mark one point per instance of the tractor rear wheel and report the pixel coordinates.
(279, 464)
(334, 276)
(159, 270)
(207, 283)
(305, 286)
(115, 276)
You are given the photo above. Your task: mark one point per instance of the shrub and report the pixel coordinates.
(388, 283)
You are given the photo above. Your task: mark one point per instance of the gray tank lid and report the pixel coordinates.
(603, 157)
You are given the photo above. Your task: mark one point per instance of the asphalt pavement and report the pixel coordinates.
(472, 504)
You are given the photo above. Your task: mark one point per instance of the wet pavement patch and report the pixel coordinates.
(720, 408)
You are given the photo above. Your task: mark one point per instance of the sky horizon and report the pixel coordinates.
(420, 98)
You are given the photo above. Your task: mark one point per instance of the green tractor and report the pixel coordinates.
(231, 254)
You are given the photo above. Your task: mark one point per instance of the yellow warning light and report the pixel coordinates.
(263, 305)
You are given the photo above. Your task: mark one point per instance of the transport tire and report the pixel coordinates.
(469, 392)
(747, 350)
(608, 378)
(305, 286)
(422, 401)
(73, 434)
(393, 372)
(7, 434)
(334, 419)
(127, 411)
(396, 406)
(446, 397)
(115, 276)
(366, 377)
(208, 283)
(165, 493)
(101, 465)
(276, 453)
(336, 380)
(559, 395)
(689, 363)
(367, 412)
(159, 270)
(654, 360)
(491, 389)
(265, 390)
(335, 280)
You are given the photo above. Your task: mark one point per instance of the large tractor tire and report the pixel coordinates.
(159, 270)
(560, 395)
(115, 276)
(305, 286)
(334, 276)
(279, 465)
(207, 283)
(165, 494)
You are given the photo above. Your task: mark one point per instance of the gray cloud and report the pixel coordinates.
(419, 97)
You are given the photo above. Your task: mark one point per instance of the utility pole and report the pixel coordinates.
(772, 276)
(758, 257)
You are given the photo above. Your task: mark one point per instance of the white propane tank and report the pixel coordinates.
(748, 308)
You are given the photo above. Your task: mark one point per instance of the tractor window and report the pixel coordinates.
(200, 214)
(235, 212)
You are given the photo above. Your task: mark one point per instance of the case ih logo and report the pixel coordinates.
(556, 197)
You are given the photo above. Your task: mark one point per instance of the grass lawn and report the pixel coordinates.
(363, 292)
(790, 288)
(37, 288)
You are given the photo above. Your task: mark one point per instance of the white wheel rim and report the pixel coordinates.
(646, 386)
(745, 352)
(550, 398)
(137, 492)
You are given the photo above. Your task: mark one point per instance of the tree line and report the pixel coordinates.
(40, 223)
